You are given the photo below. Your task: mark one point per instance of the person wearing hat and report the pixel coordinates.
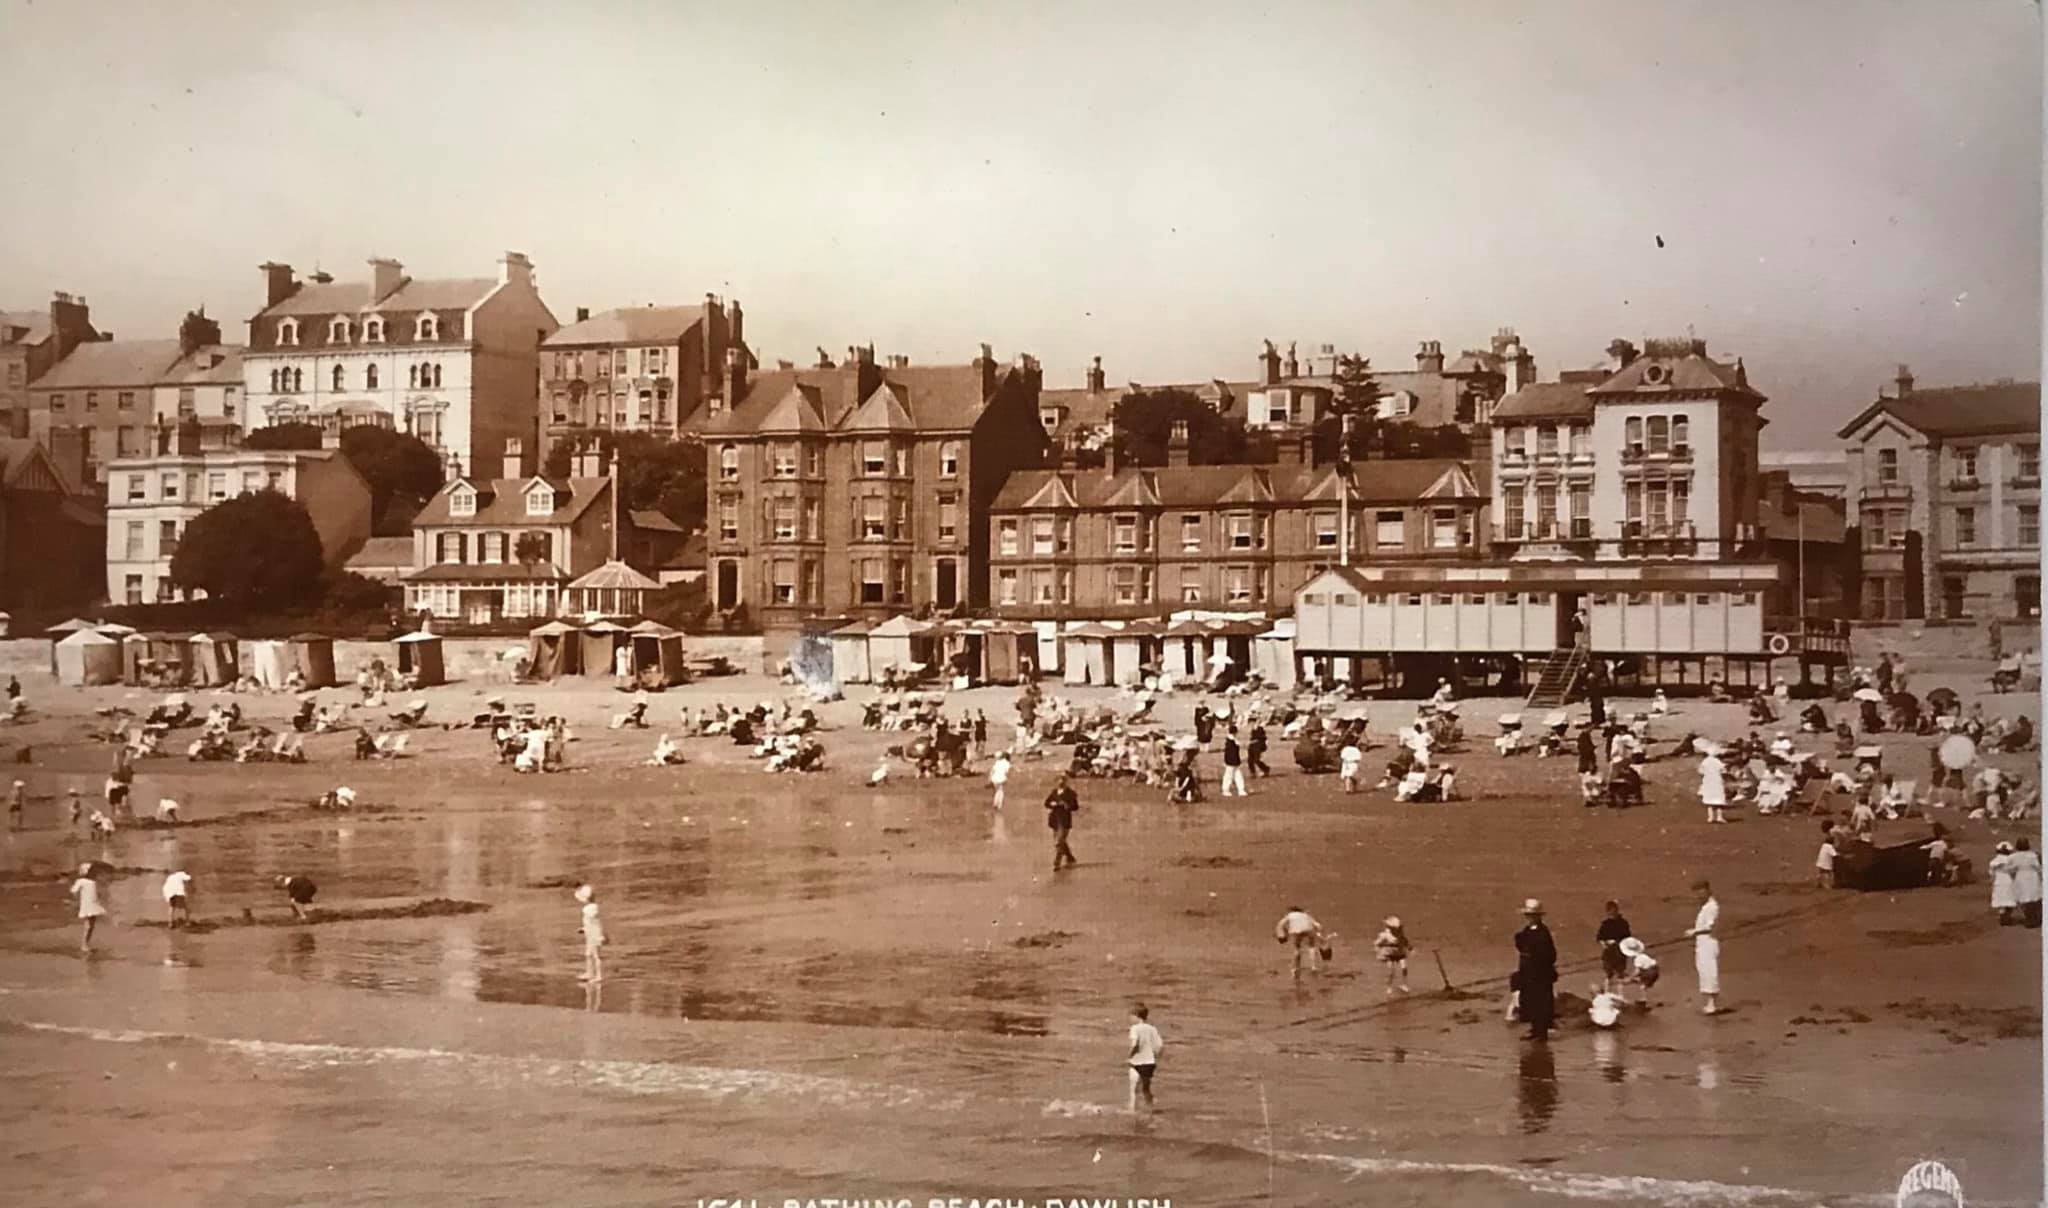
(1060, 807)
(299, 892)
(1536, 972)
(1706, 949)
(1714, 785)
(593, 935)
(1641, 967)
(1613, 929)
(87, 890)
(1391, 946)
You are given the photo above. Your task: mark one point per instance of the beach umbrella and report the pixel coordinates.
(1943, 699)
(1870, 694)
(1354, 713)
(1222, 710)
(1957, 752)
(1186, 742)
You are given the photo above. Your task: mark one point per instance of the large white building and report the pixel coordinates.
(150, 501)
(453, 361)
(1654, 457)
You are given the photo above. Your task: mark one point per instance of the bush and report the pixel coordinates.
(257, 552)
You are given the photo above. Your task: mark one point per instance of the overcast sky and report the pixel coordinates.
(1838, 186)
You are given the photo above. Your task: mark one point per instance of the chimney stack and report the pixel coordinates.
(1621, 354)
(1429, 357)
(582, 314)
(1292, 367)
(1109, 444)
(1095, 376)
(279, 283)
(986, 362)
(1269, 365)
(1904, 381)
(1293, 450)
(1177, 444)
(515, 460)
(735, 322)
(386, 276)
(735, 377)
(514, 269)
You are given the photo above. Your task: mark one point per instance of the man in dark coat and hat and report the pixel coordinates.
(1536, 971)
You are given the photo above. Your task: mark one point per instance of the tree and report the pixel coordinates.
(394, 464)
(1144, 425)
(655, 472)
(1356, 396)
(283, 436)
(258, 551)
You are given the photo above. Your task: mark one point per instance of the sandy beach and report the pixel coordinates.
(821, 988)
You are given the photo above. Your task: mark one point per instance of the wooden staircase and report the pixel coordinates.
(1560, 679)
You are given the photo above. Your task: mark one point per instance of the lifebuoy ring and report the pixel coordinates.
(1779, 644)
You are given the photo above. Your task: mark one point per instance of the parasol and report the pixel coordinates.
(1957, 752)
(1870, 694)
(1187, 742)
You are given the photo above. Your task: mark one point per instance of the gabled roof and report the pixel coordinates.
(1986, 410)
(629, 325)
(882, 412)
(379, 552)
(112, 363)
(501, 502)
(1668, 368)
(26, 465)
(1546, 400)
(616, 575)
(647, 520)
(493, 572)
(352, 298)
(34, 326)
(934, 398)
(796, 412)
(210, 365)
(1396, 481)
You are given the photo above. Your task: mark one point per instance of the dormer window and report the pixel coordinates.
(462, 502)
(540, 501)
(337, 331)
(428, 328)
(373, 330)
(287, 332)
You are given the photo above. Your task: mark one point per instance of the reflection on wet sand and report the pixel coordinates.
(1536, 1090)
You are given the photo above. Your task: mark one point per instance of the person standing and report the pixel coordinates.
(177, 889)
(1233, 765)
(1713, 785)
(1391, 946)
(1536, 971)
(593, 935)
(1144, 1055)
(999, 776)
(2026, 882)
(1613, 963)
(980, 733)
(1205, 725)
(1350, 761)
(1255, 754)
(1299, 928)
(1706, 949)
(17, 801)
(87, 890)
(1060, 807)
(2003, 899)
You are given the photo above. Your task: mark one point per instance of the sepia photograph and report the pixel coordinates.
(682, 604)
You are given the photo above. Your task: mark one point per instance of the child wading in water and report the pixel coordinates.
(593, 936)
(1392, 947)
(1144, 1056)
(87, 890)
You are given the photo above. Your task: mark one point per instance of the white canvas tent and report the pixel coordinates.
(1084, 653)
(271, 663)
(88, 658)
(901, 642)
(850, 653)
(1273, 655)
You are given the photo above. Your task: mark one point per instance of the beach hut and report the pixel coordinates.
(114, 629)
(419, 657)
(1131, 649)
(1084, 652)
(1184, 650)
(86, 657)
(601, 641)
(1273, 655)
(6, 623)
(850, 653)
(270, 663)
(553, 650)
(312, 656)
(215, 661)
(657, 655)
(902, 642)
(172, 655)
(57, 633)
(1004, 647)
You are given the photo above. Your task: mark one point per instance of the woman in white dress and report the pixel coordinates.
(87, 890)
(2003, 899)
(1713, 785)
(1706, 949)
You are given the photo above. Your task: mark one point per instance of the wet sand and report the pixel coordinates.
(818, 988)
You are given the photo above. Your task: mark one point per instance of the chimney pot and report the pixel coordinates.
(1177, 444)
(582, 313)
(1905, 381)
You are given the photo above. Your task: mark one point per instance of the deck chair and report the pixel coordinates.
(392, 746)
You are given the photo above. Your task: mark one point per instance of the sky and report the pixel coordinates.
(1837, 187)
